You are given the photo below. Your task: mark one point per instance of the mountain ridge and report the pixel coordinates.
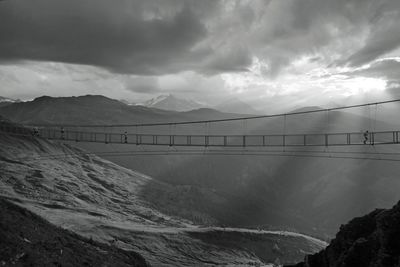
(90, 109)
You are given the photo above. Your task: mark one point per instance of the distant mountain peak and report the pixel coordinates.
(172, 102)
(6, 99)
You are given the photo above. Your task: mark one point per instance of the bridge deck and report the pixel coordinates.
(276, 140)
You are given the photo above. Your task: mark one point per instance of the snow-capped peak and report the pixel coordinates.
(171, 102)
(5, 99)
(155, 100)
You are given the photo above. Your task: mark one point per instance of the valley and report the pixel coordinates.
(241, 190)
(103, 201)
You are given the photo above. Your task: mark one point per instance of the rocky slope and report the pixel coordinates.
(28, 240)
(369, 241)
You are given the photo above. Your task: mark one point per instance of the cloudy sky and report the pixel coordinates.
(302, 52)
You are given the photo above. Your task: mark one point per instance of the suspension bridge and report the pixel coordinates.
(276, 140)
(67, 133)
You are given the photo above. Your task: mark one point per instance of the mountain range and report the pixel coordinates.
(172, 102)
(94, 109)
(167, 102)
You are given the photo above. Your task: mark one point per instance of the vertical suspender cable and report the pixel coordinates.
(376, 111)
(284, 133)
(244, 132)
(327, 131)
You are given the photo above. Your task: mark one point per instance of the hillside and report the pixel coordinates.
(113, 205)
(367, 241)
(28, 240)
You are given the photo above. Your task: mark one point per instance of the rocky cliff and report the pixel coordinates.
(369, 241)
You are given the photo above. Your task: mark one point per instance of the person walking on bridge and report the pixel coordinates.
(35, 131)
(366, 133)
(125, 137)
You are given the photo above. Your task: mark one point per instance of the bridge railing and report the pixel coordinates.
(313, 139)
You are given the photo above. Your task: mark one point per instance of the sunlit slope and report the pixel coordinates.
(99, 199)
(28, 240)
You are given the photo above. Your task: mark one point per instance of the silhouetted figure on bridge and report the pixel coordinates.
(35, 131)
(366, 133)
(125, 137)
(62, 133)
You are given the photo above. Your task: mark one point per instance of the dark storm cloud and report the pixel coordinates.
(116, 35)
(140, 84)
(229, 59)
(340, 32)
(394, 90)
(384, 34)
(156, 37)
(377, 45)
(388, 69)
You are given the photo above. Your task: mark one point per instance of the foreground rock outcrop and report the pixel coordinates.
(369, 241)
